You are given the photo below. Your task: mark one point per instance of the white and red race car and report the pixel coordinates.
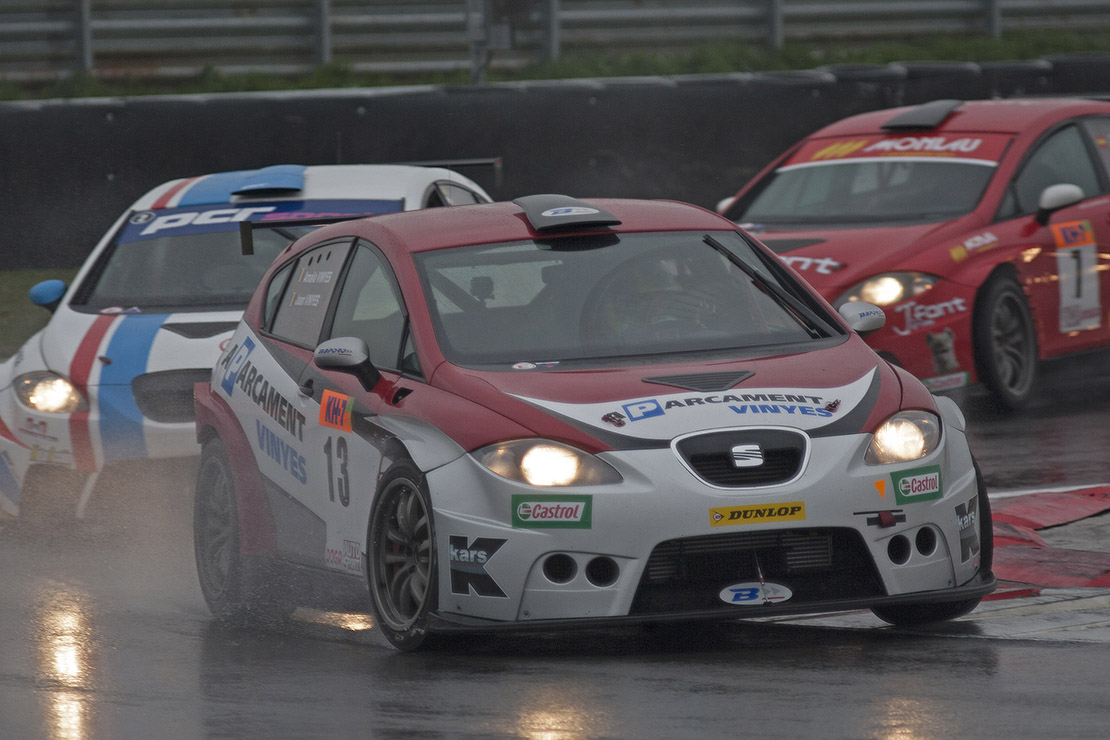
(558, 412)
(110, 378)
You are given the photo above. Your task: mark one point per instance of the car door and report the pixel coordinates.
(1066, 269)
(276, 415)
(344, 443)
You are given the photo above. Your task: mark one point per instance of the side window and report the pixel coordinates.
(273, 294)
(370, 308)
(1098, 129)
(299, 316)
(1061, 158)
(456, 195)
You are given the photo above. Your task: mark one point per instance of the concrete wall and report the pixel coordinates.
(68, 168)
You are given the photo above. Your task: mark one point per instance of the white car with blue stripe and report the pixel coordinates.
(110, 378)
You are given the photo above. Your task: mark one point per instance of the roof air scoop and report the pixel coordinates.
(280, 178)
(925, 116)
(551, 213)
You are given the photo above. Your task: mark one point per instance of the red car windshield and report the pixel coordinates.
(876, 180)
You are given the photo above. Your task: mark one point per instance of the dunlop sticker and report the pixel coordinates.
(786, 512)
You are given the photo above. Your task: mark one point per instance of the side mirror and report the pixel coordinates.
(1056, 197)
(349, 355)
(863, 318)
(47, 294)
(724, 204)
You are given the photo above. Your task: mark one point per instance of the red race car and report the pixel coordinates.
(976, 225)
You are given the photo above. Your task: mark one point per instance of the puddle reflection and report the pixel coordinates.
(64, 640)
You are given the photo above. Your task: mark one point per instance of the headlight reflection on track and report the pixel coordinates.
(65, 648)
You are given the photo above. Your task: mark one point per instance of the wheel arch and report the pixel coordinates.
(215, 420)
(1006, 270)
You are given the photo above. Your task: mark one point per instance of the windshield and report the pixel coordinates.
(190, 258)
(613, 296)
(183, 272)
(867, 192)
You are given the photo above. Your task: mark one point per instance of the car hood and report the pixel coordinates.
(833, 260)
(114, 348)
(840, 389)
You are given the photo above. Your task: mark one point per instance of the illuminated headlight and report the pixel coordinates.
(49, 393)
(889, 288)
(908, 435)
(541, 462)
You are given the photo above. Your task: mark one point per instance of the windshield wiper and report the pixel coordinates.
(814, 324)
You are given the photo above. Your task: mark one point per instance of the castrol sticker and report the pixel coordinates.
(918, 484)
(552, 512)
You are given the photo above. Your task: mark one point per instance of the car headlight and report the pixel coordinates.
(44, 391)
(542, 462)
(889, 288)
(908, 435)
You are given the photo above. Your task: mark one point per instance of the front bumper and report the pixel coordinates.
(664, 544)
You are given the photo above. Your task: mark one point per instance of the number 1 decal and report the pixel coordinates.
(1077, 267)
(1080, 305)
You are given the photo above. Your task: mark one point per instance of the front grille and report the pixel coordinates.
(816, 564)
(167, 396)
(710, 456)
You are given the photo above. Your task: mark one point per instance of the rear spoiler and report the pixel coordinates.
(246, 228)
(494, 162)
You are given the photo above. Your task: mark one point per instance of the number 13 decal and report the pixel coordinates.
(339, 480)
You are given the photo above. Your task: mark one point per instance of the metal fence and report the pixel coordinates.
(43, 40)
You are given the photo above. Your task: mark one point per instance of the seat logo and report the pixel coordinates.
(747, 456)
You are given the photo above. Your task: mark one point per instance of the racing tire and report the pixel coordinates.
(908, 615)
(1005, 342)
(230, 596)
(401, 558)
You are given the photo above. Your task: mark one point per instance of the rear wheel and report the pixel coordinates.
(1005, 342)
(913, 614)
(402, 558)
(226, 590)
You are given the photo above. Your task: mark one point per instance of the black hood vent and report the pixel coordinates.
(200, 329)
(704, 382)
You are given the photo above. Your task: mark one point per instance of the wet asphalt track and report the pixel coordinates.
(103, 634)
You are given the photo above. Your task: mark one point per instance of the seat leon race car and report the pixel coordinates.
(110, 378)
(981, 227)
(558, 412)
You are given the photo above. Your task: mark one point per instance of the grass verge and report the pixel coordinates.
(19, 318)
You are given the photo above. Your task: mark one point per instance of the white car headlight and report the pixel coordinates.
(889, 288)
(542, 462)
(44, 391)
(908, 435)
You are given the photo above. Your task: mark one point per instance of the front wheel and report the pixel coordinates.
(402, 558)
(1005, 342)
